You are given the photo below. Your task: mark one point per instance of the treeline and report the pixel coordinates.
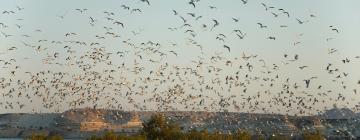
(160, 128)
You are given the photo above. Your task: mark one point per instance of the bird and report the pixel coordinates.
(125, 7)
(227, 47)
(6, 35)
(301, 22)
(261, 25)
(241, 36)
(191, 14)
(212, 7)
(119, 23)
(244, 1)
(174, 53)
(274, 14)
(216, 23)
(296, 57)
(175, 13)
(56, 55)
(235, 19)
(334, 29)
(271, 38)
(192, 3)
(19, 8)
(302, 67)
(307, 81)
(92, 20)
(81, 10)
(62, 16)
(147, 1)
(184, 20)
(287, 13)
(266, 7)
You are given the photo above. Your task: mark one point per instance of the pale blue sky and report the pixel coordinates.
(153, 23)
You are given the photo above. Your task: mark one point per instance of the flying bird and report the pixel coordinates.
(235, 19)
(81, 10)
(227, 47)
(271, 38)
(216, 23)
(244, 1)
(192, 3)
(147, 1)
(334, 29)
(175, 13)
(119, 23)
(261, 25)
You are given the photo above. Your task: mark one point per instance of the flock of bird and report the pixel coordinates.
(138, 75)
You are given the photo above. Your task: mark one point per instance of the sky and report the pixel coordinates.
(51, 20)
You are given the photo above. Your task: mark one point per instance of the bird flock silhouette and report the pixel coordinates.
(75, 71)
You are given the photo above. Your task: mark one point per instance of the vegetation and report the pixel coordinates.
(313, 136)
(44, 137)
(111, 136)
(160, 128)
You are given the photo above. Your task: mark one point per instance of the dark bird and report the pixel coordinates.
(301, 22)
(265, 6)
(271, 38)
(125, 7)
(216, 23)
(244, 1)
(184, 20)
(287, 13)
(346, 60)
(135, 10)
(261, 25)
(235, 19)
(241, 36)
(119, 23)
(6, 35)
(275, 15)
(296, 57)
(175, 13)
(307, 81)
(81, 10)
(56, 55)
(174, 53)
(17, 25)
(227, 47)
(334, 29)
(192, 3)
(191, 14)
(19, 8)
(147, 1)
(302, 67)
(92, 20)
(212, 7)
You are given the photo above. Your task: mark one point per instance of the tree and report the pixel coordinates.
(313, 136)
(242, 135)
(159, 128)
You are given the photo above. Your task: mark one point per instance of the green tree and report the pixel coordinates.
(313, 136)
(159, 128)
(242, 135)
(44, 137)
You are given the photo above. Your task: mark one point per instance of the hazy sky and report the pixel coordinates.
(313, 40)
